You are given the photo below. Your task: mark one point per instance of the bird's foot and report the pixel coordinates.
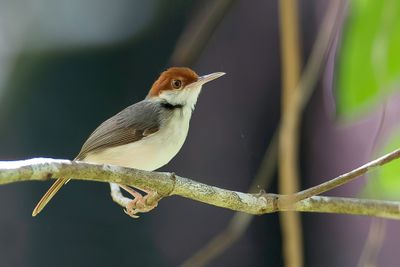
(140, 203)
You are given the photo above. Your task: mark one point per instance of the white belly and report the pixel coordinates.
(152, 152)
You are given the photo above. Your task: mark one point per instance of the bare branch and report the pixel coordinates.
(345, 178)
(167, 184)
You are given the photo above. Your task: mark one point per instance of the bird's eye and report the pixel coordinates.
(176, 84)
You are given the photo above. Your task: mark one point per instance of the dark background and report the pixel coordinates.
(68, 65)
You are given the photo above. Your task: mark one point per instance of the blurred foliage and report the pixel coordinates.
(369, 62)
(385, 183)
(369, 66)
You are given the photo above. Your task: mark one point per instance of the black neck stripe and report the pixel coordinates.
(170, 106)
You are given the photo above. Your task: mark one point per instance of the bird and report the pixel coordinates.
(145, 135)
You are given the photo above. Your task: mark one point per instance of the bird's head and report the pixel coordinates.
(180, 86)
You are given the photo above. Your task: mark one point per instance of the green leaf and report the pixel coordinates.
(385, 182)
(369, 60)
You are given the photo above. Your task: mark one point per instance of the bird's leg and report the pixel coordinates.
(139, 203)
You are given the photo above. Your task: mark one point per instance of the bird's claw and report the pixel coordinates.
(139, 203)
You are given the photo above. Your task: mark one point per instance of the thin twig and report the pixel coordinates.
(199, 30)
(220, 242)
(342, 179)
(326, 35)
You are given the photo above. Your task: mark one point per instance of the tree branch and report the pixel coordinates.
(167, 184)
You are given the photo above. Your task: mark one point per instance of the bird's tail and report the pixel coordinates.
(49, 195)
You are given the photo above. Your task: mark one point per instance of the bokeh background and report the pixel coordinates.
(66, 66)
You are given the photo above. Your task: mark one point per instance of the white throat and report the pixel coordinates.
(186, 97)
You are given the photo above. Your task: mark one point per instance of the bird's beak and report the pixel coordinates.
(208, 78)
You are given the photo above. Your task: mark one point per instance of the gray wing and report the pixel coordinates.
(131, 124)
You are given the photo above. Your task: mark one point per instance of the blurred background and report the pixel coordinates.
(66, 66)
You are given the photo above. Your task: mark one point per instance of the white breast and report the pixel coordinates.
(152, 152)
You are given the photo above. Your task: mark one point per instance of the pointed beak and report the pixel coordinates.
(208, 78)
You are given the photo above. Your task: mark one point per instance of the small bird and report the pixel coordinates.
(145, 135)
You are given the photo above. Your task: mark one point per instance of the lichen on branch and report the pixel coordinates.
(167, 184)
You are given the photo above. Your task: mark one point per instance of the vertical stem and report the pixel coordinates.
(289, 131)
(326, 35)
(374, 243)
